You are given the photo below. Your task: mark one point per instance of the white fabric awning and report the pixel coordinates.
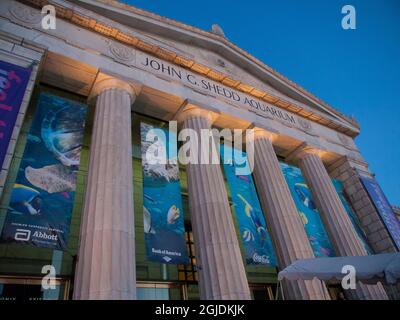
(369, 269)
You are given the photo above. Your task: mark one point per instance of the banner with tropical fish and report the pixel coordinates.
(42, 198)
(308, 212)
(253, 230)
(353, 218)
(162, 203)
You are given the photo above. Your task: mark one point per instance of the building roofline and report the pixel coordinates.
(226, 41)
(320, 113)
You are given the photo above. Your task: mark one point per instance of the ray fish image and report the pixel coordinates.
(25, 200)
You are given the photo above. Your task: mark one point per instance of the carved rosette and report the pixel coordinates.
(305, 124)
(24, 14)
(120, 52)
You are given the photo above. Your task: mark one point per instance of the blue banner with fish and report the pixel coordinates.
(13, 82)
(163, 220)
(307, 209)
(256, 241)
(353, 218)
(42, 198)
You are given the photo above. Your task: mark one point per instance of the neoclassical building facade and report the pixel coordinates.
(106, 69)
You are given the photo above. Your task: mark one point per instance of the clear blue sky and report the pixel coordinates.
(356, 71)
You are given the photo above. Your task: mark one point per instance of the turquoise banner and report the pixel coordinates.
(307, 209)
(353, 218)
(162, 203)
(253, 230)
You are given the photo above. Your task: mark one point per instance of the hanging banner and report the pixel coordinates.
(41, 201)
(384, 208)
(353, 218)
(162, 203)
(307, 209)
(256, 241)
(13, 82)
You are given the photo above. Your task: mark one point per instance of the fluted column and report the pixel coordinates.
(287, 229)
(221, 270)
(106, 260)
(336, 220)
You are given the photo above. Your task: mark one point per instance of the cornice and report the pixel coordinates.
(77, 18)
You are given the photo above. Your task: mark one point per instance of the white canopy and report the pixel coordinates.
(369, 269)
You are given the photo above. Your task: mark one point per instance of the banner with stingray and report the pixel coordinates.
(42, 198)
(163, 221)
(257, 243)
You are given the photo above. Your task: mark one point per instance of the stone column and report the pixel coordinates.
(106, 259)
(336, 220)
(283, 220)
(221, 270)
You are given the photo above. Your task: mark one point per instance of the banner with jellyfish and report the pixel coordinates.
(42, 198)
(163, 218)
(308, 212)
(253, 230)
(353, 218)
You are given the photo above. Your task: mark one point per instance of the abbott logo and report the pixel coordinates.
(22, 235)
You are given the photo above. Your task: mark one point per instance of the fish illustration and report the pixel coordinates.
(173, 214)
(250, 212)
(303, 218)
(148, 228)
(262, 232)
(247, 235)
(52, 178)
(303, 192)
(25, 200)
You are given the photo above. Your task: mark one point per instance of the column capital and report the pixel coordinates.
(106, 82)
(305, 150)
(262, 132)
(190, 110)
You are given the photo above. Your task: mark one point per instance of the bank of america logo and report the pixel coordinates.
(22, 235)
(168, 259)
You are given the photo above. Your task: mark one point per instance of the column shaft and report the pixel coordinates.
(336, 220)
(106, 260)
(222, 274)
(287, 230)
